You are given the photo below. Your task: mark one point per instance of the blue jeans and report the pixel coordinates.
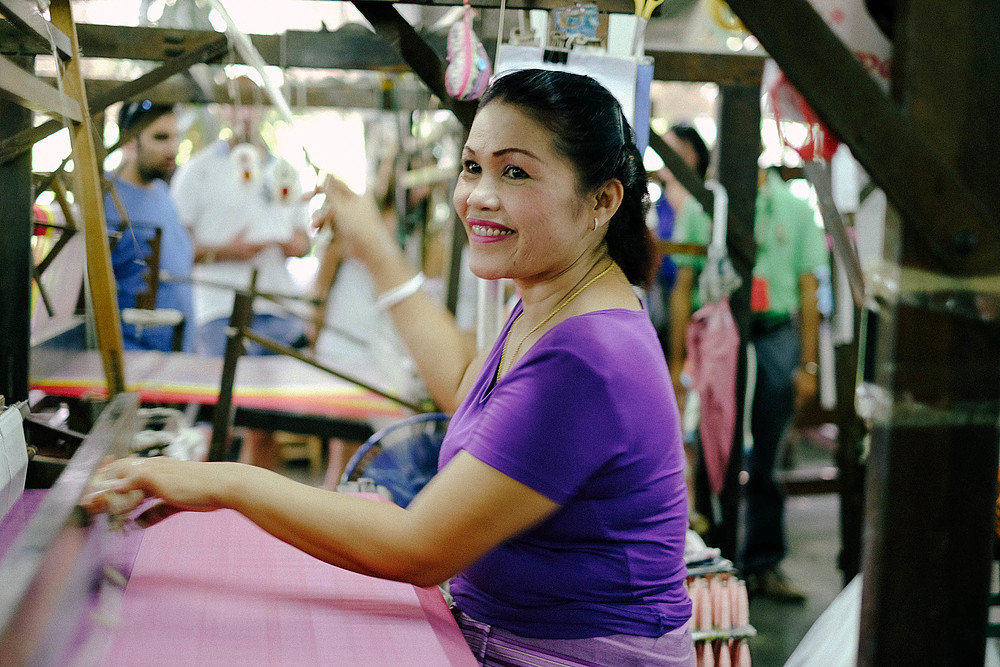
(773, 407)
(286, 330)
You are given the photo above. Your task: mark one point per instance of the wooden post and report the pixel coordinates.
(850, 465)
(932, 474)
(894, 152)
(222, 414)
(739, 145)
(88, 194)
(15, 258)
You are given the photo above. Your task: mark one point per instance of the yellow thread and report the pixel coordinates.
(538, 326)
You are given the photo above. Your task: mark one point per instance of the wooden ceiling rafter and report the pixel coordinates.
(23, 141)
(390, 25)
(354, 47)
(917, 182)
(35, 29)
(27, 90)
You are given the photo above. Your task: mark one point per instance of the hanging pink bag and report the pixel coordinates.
(468, 72)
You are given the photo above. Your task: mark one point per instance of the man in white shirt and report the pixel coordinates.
(240, 222)
(243, 209)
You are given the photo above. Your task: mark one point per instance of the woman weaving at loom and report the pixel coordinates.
(559, 509)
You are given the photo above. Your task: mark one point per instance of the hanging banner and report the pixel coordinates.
(851, 22)
(628, 79)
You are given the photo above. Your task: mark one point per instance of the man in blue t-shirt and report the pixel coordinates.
(140, 185)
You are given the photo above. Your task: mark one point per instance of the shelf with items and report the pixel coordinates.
(720, 607)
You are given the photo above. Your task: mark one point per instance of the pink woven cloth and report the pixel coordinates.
(214, 589)
(713, 343)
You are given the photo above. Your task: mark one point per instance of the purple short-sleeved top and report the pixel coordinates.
(587, 417)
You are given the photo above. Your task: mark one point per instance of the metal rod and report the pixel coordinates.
(275, 346)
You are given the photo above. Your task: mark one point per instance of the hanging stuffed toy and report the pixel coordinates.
(469, 70)
(247, 160)
(284, 182)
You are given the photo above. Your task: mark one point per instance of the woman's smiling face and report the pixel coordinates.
(518, 199)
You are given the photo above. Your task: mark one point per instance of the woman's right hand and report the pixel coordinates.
(181, 485)
(354, 221)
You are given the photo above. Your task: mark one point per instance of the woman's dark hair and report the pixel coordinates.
(590, 130)
(690, 136)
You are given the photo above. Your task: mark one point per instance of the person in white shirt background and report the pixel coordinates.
(242, 206)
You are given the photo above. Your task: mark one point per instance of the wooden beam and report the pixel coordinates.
(800, 482)
(206, 52)
(354, 46)
(22, 141)
(674, 248)
(394, 29)
(692, 182)
(88, 194)
(684, 174)
(919, 184)
(28, 91)
(331, 92)
(28, 22)
(721, 68)
(606, 6)
(142, 43)
(850, 453)
(222, 415)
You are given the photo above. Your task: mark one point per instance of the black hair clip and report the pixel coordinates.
(558, 57)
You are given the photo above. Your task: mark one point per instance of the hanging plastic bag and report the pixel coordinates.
(468, 72)
(850, 21)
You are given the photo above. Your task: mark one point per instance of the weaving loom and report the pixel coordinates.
(276, 383)
(194, 589)
(269, 393)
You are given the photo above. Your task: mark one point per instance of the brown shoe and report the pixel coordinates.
(772, 583)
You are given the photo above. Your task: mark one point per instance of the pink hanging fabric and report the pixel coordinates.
(713, 348)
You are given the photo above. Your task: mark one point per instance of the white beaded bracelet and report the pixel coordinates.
(391, 297)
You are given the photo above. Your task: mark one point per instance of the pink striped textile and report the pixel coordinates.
(214, 589)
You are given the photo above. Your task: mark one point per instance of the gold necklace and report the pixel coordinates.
(565, 302)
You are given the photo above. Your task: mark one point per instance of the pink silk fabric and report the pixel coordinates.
(214, 589)
(713, 348)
